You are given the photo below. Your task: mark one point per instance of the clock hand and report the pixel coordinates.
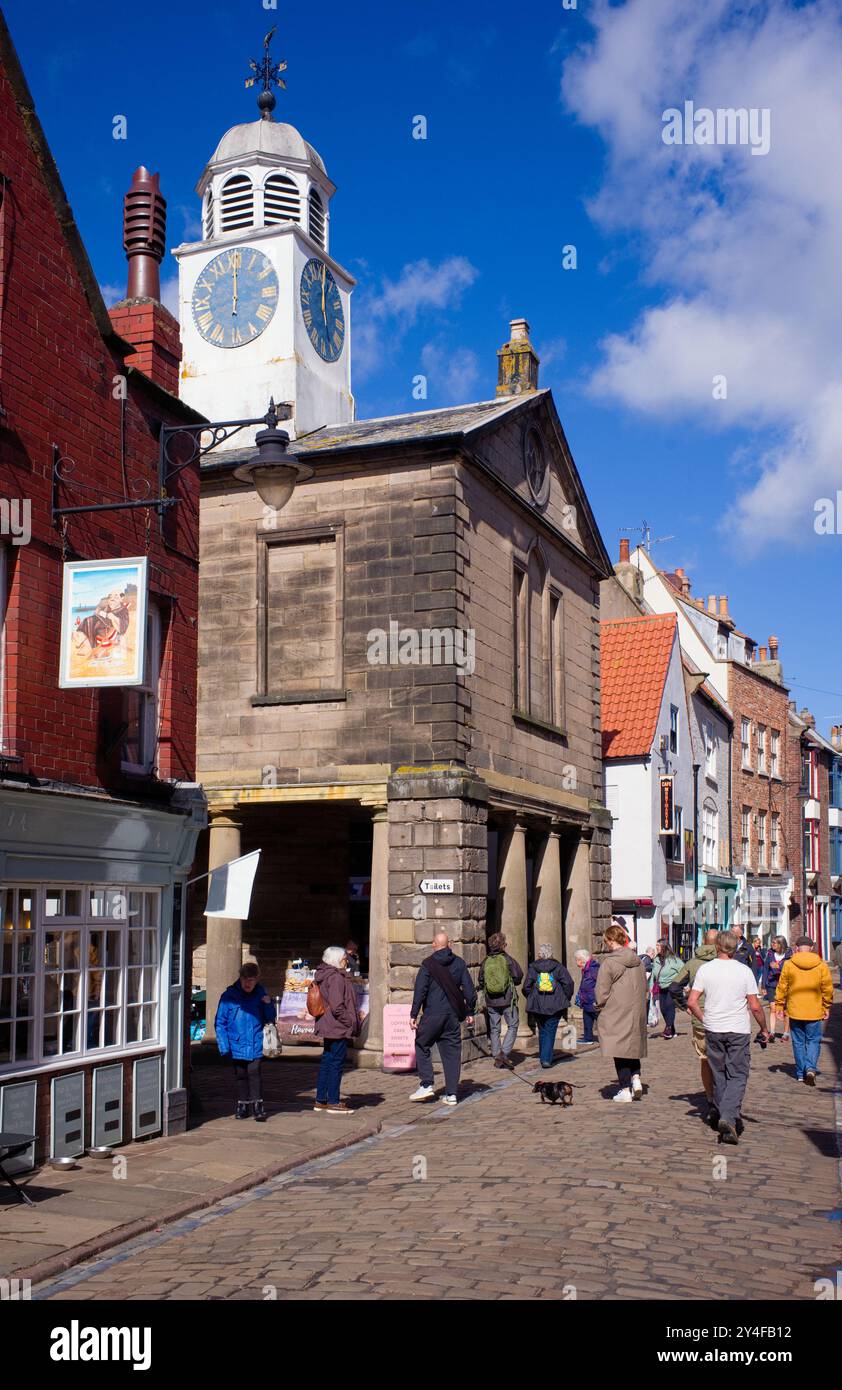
(324, 311)
(234, 300)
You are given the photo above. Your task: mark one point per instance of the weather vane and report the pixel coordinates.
(269, 72)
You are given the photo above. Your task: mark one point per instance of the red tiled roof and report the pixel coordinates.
(635, 659)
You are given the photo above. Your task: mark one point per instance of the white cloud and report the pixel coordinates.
(169, 294)
(384, 316)
(112, 294)
(453, 372)
(744, 249)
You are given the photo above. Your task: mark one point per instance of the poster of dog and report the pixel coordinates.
(103, 623)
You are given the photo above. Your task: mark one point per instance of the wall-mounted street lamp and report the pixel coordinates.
(271, 472)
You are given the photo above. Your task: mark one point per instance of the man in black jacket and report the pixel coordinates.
(446, 994)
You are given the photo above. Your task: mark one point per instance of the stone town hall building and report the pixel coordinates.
(325, 737)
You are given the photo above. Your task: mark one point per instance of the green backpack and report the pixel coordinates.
(496, 976)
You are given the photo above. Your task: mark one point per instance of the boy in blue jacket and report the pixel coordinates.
(244, 1010)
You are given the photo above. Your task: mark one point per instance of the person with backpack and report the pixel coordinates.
(243, 1012)
(336, 1024)
(586, 996)
(774, 961)
(548, 990)
(445, 993)
(499, 976)
(666, 968)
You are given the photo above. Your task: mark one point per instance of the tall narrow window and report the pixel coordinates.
(710, 751)
(774, 749)
(520, 652)
(539, 702)
(745, 742)
(761, 839)
(237, 203)
(775, 841)
(140, 705)
(745, 836)
(316, 224)
(761, 748)
(281, 200)
(710, 836)
(673, 728)
(556, 660)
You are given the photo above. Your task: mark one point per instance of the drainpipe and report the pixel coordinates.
(730, 813)
(696, 767)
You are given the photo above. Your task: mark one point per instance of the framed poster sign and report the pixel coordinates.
(147, 1097)
(17, 1116)
(68, 1127)
(108, 1105)
(103, 623)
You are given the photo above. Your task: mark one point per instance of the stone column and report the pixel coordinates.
(378, 939)
(512, 901)
(224, 950)
(547, 920)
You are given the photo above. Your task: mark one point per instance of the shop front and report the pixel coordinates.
(92, 967)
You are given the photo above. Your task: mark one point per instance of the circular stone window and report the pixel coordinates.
(535, 467)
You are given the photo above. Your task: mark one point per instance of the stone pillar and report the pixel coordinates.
(512, 901)
(378, 938)
(547, 918)
(224, 950)
(578, 918)
(438, 828)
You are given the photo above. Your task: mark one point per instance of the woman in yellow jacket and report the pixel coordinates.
(805, 991)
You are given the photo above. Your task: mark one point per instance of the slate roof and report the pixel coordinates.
(635, 659)
(421, 425)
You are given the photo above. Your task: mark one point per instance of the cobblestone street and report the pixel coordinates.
(504, 1197)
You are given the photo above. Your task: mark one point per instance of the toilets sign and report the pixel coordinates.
(436, 885)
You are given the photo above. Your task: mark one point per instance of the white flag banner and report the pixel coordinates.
(229, 890)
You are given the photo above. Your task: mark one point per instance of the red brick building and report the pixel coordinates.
(99, 812)
(815, 895)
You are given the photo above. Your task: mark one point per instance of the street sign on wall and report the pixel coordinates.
(436, 885)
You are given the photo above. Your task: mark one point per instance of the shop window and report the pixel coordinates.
(92, 958)
(17, 976)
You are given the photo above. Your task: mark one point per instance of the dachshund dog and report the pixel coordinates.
(554, 1091)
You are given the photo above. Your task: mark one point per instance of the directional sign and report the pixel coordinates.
(437, 885)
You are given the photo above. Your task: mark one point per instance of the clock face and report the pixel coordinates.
(235, 297)
(321, 305)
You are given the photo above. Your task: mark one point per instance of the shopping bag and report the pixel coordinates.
(654, 1014)
(271, 1041)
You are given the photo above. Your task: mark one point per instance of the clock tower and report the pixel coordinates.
(263, 306)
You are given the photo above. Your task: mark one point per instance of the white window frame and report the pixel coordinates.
(761, 749)
(745, 835)
(761, 839)
(745, 743)
(774, 752)
(85, 923)
(710, 837)
(775, 840)
(710, 750)
(150, 692)
(674, 737)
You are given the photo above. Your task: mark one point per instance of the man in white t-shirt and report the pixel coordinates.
(730, 991)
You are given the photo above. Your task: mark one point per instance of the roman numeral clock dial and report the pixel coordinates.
(321, 307)
(235, 297)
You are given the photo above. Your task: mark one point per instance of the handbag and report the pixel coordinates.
(271, 1041)
(654, 1014)
(315, 1002)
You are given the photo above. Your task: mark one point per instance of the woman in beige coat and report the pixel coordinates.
(621, 1001)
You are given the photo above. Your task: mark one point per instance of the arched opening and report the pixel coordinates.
(237, 203)
(281, 200)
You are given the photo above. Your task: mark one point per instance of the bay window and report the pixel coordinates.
(79, 971)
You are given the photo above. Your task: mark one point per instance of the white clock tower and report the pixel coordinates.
(264, 308)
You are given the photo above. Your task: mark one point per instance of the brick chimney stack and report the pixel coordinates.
(773, 648)
(517, 362)
(141, 318)
(836, 737)
(723, 605)
(712, 604)
(624, 551)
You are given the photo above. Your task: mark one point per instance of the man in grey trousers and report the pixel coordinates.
(731, 1001)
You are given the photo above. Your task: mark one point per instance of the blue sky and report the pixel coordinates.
(544, 131)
